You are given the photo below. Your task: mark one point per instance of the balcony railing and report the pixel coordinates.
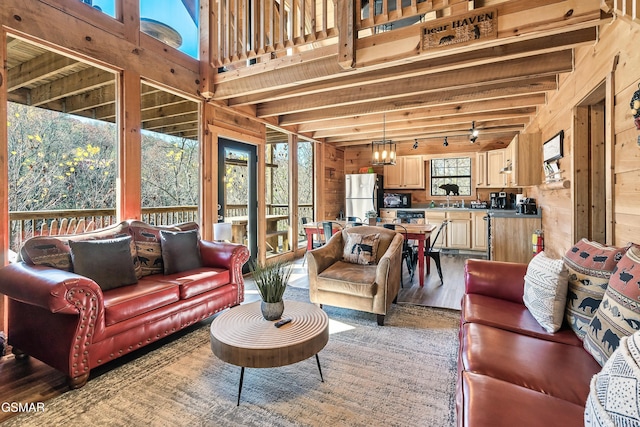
(265, 29)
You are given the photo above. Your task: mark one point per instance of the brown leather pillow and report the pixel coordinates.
(107, 262)
(180, 251)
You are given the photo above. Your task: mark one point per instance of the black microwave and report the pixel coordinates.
(397, 200)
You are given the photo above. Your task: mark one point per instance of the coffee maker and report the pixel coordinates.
(493, 200)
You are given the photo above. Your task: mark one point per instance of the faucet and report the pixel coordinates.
(447, 199)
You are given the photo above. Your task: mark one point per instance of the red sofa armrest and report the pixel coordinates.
(225, 255)
(57, 291)
(504, 280)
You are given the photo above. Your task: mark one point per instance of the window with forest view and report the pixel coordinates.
(452, 171)
(277, 197)
(305, 186)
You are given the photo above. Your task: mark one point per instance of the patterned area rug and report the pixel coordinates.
(401, 374)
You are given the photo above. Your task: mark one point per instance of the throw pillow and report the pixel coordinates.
(180, 251)
(614, 394)
(361, 248)
(545, 291)
(590, 265)
(107, 262)
(619, 312)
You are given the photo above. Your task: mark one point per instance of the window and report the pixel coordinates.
(454, 172)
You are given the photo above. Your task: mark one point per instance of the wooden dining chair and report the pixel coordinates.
(434, 252)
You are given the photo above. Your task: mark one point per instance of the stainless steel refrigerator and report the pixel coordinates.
(364, 192)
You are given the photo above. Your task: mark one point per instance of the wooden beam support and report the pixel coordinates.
(347, 33)
(130, 149)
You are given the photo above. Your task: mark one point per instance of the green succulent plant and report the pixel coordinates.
(271, 279)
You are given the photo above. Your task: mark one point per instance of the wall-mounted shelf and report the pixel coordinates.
(557, 185)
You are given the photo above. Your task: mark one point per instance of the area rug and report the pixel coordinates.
(401, 374)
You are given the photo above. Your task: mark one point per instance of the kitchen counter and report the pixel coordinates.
(495, 213)
(511, 214)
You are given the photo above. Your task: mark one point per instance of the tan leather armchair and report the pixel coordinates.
(371, 288)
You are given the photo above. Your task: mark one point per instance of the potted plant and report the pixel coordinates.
(271, 281)
(371, 215)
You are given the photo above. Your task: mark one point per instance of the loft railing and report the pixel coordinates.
(250, 29)
(627, 9)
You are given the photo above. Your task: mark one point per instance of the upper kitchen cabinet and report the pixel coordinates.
(523, 160)
(481, 169)
(407, 173)
(495, 164)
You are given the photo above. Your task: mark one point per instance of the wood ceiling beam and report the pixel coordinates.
(465, 107)
(486, 92)
(39, 68)
(191, 118)
(96, 98)
(426, 122)
(169, 110)
(489, 74)
(485, 126)
(80, 82)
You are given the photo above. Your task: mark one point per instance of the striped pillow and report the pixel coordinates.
(545, 291)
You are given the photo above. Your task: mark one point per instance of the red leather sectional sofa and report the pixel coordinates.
(67, 321)
(511, 372)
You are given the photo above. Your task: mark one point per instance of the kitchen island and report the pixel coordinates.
(510, 235)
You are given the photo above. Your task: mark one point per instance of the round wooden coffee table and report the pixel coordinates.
(242, 337)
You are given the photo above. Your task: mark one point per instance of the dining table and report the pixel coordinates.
(421, 233)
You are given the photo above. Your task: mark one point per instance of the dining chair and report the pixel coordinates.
(434, 252)
(327, 229)
(314, 243)
(409, 255)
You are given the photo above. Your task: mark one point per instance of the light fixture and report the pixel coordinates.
(222, 231)
(445, 143)
(383, 152)
(474, 132)
(415, 144)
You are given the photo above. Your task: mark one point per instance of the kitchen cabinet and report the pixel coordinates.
(407, 173)
(459, 230)
(511, 237)
(436, 217)
(523, 160)
(495, 164)
(388, 214)
(481, 169)
(479, 227)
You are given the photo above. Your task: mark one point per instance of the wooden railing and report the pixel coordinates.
(248, 29)
(627, 9)
(26, 224)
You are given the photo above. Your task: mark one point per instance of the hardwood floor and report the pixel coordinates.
(30, 380)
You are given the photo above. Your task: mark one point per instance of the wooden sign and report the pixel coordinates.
(455, 30)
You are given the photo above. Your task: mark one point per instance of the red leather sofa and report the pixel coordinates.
(511, 372)
(67, 321)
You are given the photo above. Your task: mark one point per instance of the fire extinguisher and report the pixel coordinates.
(537, 241)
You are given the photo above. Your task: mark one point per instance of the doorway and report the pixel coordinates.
(590, 197)
(237, 192)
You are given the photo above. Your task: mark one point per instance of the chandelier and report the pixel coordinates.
(383, 152)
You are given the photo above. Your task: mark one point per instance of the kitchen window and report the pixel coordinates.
(449, 174)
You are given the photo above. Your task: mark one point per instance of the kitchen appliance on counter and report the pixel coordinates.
(410, 217)
(397, 200)
(364, 192)
(527, 207)
(502, 200)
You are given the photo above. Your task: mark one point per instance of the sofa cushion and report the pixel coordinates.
(197, 281)
(145, 296)
(180, 251)
(107, 262)
(351, 279)
(618, 314)
(361, 248)
(510, 316)
(553, 368)
(614, 398)
(490, 402)
(545, 291)
(590, 265)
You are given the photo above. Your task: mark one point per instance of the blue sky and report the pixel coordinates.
(170, 12)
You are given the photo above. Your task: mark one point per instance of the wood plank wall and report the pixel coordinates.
(594, 65)
(332, 189)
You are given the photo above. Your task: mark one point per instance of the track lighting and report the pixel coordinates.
(415, 144)
(445, 143)
(474, 132)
